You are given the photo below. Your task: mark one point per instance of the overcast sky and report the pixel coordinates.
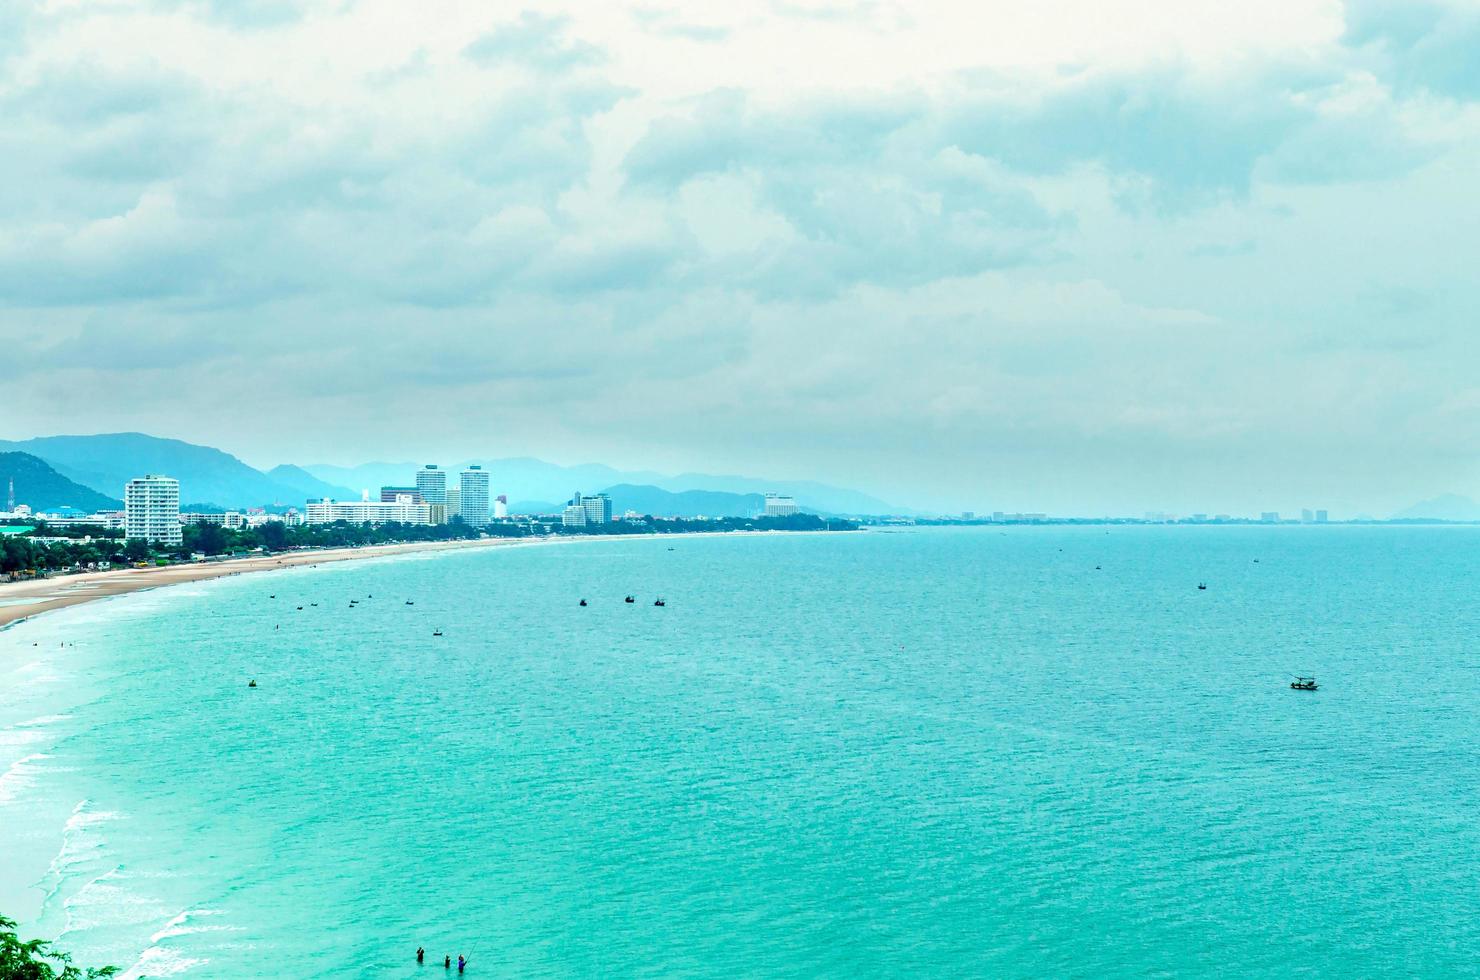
(1076, 256)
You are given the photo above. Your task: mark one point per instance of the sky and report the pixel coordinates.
(1076, 257)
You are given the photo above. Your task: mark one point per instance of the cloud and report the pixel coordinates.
(1421, 45)
(1028, 269)
(537, 41)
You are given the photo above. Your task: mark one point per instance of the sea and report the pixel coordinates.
(906, 752)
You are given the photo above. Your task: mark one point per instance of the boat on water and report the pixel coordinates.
(436, 632)
(252, 683)
(1303, 684)
(1202, 586)
(410, 603)
(659, 602)
(583, 602)
(629, 600)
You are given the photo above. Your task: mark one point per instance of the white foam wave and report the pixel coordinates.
(21, 773)
(181, 925)
(107, 901)
(160, 961)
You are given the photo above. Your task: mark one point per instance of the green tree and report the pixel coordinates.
(136, 549)
(36, 960)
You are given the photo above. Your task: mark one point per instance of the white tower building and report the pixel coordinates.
(473, 495)
(151, 509)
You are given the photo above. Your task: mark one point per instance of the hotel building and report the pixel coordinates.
(151, 509)
(779, 506)
(473, 495)
(403, 509)
(431, 483)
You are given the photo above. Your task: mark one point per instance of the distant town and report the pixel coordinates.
(152, 529)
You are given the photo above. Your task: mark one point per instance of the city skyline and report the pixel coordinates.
(1191, 257)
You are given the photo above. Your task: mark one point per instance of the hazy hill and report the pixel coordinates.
(43, 488)
(1448, 507)
(107, 462)
(308, 486)
(689, 503)
(809, 495)
(526, 479)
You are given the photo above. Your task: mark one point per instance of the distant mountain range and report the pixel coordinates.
(44, 489)
(207, 476)
(1447, 507)
(212, 478)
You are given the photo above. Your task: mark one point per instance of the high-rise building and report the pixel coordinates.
(779, 506)
(574, 515)
(1322, 517)
(151, 509)
(388, 495)
(1269, 517)
(431, 483)
(1307, 516)
(473, 495)
(598, 508)
(500, 507)
(454, 501)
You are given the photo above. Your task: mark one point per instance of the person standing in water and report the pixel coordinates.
(446, 962)
(421, 954)
(461, 962)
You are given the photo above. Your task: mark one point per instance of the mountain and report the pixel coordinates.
(689, 503)
(308, 486)
(1447, 507)
(207, 476)
(527, 479)
(44, 489)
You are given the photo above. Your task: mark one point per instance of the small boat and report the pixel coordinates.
(273, 596)
(436, 632)
(300, 609)
(252, 683)
(314, 604)
(1202, 586)
(583, 602)
(410, 603)
(1303, 684)
(629, 600)
(659, 602)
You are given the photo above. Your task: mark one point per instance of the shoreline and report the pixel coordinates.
(23, 600)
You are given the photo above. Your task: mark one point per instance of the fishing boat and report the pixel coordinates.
(583, 602)
(1202, 586)
(436, 632)
(659, 602)
(629, 600)
(251, 683)
(1303, 684)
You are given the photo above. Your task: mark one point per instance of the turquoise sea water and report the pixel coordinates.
(914, 753)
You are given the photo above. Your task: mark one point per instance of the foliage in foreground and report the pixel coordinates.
(36, 960)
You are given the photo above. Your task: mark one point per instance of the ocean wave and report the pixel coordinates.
(108, 901)
(161, 961)
(80, 843)
(181, 925)
(21, 773)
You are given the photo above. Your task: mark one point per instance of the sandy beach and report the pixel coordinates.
(22, 600)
